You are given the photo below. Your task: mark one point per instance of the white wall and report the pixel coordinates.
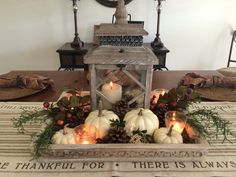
(197, 32)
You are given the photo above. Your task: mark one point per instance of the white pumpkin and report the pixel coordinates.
(101, 120)
(167, 136)
(64, 136)
(141, 119)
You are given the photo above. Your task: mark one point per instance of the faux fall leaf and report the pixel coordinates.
(177, 98)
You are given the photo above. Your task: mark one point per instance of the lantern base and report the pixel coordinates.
(127, 152)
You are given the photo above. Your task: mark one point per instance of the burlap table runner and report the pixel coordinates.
(15, 157)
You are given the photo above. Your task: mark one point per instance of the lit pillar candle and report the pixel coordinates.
(113, 92)
(177, 119)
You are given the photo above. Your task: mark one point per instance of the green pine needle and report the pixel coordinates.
(29, 117)
(42, 140)
(209, 124)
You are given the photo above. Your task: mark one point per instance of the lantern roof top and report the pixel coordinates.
(121, 55)
(106, 29)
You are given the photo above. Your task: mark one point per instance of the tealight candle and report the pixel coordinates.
(155, 94)
(177, 119)
(85, 140)
(85, 134)
(113, 92)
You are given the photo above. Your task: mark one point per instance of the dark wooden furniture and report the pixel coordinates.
(161, 55)
(71, 58)
(78, 79)
(231, 49)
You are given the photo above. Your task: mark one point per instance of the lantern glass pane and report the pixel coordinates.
(113, 84)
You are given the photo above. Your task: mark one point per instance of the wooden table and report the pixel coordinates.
(78, 79)
(16, 161)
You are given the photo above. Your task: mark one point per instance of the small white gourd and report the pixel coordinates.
(141, 119)
(101, 120)
(64, 136)
(167, 136)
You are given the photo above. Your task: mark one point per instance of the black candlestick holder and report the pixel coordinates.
(77, 43)
(157, 43)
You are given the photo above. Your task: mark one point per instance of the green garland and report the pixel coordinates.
(42, 140)
(53, 117)
(29, 117)
(203, 121)
(209, 124)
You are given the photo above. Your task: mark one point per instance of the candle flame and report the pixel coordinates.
(111, 85)
(85, 142)
(174, 116)
(178, 127)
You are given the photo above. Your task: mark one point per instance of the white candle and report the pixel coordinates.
(113, 92)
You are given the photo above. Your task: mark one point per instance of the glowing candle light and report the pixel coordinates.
(178, 127)
(86, 142)
(113, 92)
(177, 119)
(85, 134)
(111, 85)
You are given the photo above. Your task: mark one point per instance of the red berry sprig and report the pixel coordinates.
(46, 105)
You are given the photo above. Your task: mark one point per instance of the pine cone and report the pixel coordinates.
(160, 111)
(121, 107)
(116, 134)
(127, 98)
